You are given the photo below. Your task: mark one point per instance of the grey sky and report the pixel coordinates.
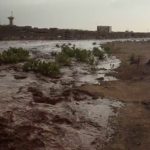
(81, 14)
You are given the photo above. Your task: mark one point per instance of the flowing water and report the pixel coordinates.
(78, 121)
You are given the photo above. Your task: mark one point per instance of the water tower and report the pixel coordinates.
(11, 19)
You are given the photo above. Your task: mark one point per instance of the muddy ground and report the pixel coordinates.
(133, 89)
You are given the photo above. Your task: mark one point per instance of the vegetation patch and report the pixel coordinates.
(82, 55)
(98, 53)
(71, 52)
(63, 59)
(107, 50)
(14, 55)
(51, 69)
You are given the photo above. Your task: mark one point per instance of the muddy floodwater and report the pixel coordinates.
(53, 114)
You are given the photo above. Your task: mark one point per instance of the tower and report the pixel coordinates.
(11, 19)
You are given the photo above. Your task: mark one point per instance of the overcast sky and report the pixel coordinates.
(80, 14)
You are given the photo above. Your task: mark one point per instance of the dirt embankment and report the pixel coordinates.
(133, 86)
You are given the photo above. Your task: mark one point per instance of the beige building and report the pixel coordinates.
(104, 29)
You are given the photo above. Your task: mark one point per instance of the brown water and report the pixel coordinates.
(76, 121)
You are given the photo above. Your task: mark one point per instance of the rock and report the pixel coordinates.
(103, 69)
(61, 120)
(100, 79)
(20, 76)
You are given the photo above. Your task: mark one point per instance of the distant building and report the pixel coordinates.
(104, 29)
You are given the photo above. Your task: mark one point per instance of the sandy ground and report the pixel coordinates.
(133, 86)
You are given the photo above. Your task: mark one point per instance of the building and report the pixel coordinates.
(104, 29)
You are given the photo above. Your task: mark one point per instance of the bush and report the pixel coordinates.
(107, 50)
(31, 65)
(98, 53)
(68, 51)
(45, 68)
(82, 55)
(14, 55)
(63, 59)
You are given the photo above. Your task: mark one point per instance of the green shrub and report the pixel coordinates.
(82, 55)
(63, 59)
(68, 51)
(14, 55)
(98, 53)
(31, 65)
(107, 50)
(51, 69)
